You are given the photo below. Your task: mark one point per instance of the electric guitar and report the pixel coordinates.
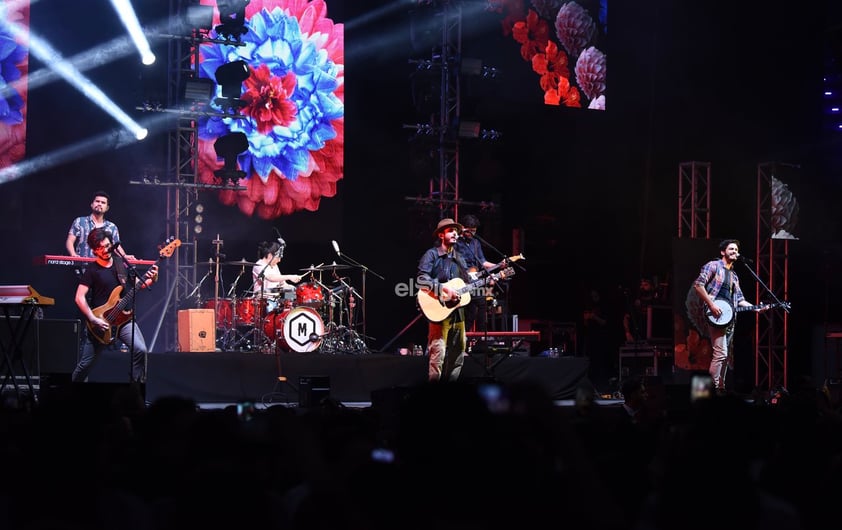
(118, 309)
(437, 310)
(729, 311)
(475, 274)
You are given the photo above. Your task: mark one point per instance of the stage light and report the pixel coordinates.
(232, 14)
(199, 90)
(198, 218)
(42, 49)
(227, 148)
(199, 17)
(230, 78)
(129, 18)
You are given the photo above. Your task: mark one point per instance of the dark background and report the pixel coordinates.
(594, 193)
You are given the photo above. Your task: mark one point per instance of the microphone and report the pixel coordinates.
(740, 257)
(280, 239)
(115, 245)
(335, 247)
(314, 337)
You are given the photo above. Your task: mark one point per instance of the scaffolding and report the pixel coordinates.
(694, 199)
(182, 183)
(771, 330)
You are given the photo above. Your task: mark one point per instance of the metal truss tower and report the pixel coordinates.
(445, 189)
(694, 199)
(772, 257)
(443, 192)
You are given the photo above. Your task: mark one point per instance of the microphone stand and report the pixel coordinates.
(758, 280)
(131, 279)
(364, 269)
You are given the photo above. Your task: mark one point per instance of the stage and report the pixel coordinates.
(230, 377)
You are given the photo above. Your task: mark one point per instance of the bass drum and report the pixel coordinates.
(299, 329)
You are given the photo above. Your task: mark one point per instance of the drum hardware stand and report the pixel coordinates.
(365, 269)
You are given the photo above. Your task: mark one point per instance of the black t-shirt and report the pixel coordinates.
(101, 281)
(725, 292)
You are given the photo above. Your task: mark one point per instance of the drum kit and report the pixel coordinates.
(316, 315)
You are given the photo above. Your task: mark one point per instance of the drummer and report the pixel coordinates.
(268, 280)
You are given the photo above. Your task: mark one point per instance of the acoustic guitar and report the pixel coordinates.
(436, 310)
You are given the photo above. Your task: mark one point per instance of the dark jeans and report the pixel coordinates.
(93, 348)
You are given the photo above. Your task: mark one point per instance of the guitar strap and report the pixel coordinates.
(120, 268)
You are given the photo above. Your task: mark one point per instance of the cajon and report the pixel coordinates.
(196, 330)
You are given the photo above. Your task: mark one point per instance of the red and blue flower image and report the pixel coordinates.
(294, 108)
(14, 65)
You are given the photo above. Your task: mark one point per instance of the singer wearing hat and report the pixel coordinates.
(446, 338)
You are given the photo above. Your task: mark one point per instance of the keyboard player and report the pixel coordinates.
(77, 237)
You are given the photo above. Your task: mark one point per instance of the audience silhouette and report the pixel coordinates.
(438, 456)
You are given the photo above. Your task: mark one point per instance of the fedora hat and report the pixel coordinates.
(447, 223)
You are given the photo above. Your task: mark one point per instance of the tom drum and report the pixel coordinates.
(250, 308)
(309, 294)
(224, 311)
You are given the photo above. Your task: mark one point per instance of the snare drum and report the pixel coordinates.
(224, 312)
(299, 329)
(309, 294)
(249, 308)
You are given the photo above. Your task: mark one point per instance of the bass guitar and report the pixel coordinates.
(437, 310)
(729, 311)
(118, 309)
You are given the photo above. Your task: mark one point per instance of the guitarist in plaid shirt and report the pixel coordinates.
(718, 280)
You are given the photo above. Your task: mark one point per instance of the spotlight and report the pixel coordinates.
(228, 147)
(199, 17)
(198, 218)
(199, 90)
(232, 14)
(230, 78)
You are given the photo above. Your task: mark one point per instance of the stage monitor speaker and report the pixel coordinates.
(104, 400)
(58, 345)
(48, 346)
(313, 390)
(196, 330)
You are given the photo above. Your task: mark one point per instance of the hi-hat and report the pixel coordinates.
(334, 266)
(242, 262)
(312, 268)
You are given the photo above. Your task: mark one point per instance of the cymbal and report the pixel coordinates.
(243, 262)
(312, 268)
(334, 266)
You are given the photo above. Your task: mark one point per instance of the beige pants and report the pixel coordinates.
(720, 360)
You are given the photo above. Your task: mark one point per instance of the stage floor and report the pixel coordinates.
(230, 377)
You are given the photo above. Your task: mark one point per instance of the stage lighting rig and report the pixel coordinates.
(199, 91)
(228, 148)
(232, 14)
(230, 78)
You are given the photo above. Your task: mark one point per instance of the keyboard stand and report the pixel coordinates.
(13, 349)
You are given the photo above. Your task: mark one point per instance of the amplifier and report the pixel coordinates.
(641, 359)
